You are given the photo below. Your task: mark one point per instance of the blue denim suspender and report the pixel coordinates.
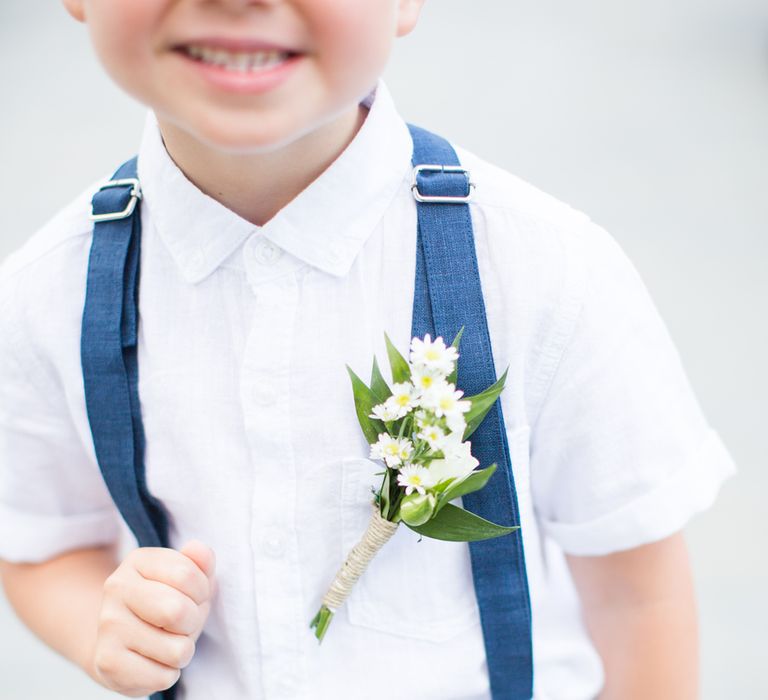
(108, 351)
(447, 296)
(109, 355)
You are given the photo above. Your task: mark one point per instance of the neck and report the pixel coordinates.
(257, 185)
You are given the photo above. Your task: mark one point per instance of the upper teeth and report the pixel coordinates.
(237, 60)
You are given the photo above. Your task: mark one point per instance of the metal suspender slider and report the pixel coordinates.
(131, 182)
(444, 199)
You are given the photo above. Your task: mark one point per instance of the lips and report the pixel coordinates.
(240, 65)
(236, 54)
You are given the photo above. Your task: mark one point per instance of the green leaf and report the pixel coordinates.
(458, 525)
(437, 490)
(481, 404)
(474, 481)
(379, 385)
(453, 376)
(364, 403)
(384, 495)
(400, 370)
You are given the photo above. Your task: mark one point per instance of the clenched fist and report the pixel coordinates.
(153, 609)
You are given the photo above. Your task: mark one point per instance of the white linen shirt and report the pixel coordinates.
(253, 444)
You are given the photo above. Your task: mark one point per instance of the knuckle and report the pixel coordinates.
(175, 612)
(139, 558)
(113, 584)
(166, 678)
(183, 578)
(135, 557)
(109, 620)
(106, 663)
(183, 652)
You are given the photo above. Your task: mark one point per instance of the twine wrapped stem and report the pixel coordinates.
(376, 535)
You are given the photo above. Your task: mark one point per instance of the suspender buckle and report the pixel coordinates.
(441, 199)
(131, 182)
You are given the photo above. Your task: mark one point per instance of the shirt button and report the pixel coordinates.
(266, 252)
(274, 544)
(263, 394)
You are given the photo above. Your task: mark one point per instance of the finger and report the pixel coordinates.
(205, 608)
(133, 674)
(173, 569)
(162, 606)
(202, 555)
(174, 650)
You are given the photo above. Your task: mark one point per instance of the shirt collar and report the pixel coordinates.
(326, 225)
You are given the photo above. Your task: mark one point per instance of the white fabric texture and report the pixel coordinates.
(252, 441)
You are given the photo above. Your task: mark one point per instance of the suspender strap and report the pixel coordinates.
(109, 359)
(448, 295)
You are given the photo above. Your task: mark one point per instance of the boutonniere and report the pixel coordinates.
(418, 427)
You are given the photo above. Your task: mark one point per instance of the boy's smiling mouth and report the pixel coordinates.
(239, 65)
(239, 61)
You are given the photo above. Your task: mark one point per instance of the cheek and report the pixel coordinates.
(355, 36)
(122, 33)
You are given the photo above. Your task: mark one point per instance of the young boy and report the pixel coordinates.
(279, 231)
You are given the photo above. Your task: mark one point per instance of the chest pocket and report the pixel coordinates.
(418, 589)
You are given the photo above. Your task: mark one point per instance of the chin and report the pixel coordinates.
(245, 139)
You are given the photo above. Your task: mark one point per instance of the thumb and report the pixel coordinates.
(202, 555)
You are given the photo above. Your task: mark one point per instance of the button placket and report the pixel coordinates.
(265, 396)
(273, 542)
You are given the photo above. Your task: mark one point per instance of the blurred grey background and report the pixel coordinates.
(649, 116)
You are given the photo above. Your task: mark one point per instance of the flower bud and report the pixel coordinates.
(417, 508)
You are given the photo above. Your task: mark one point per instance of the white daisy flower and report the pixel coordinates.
(414, 476)
(403, 396)
(387, 411)
(443, 399)
(433, 354)
(405, 449)
(394, 452)
(425, 378)
(377, 448)
(433, 435)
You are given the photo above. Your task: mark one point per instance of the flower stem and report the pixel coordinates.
(320, 622)
(379, 531)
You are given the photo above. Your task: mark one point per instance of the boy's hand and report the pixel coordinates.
(153, 609)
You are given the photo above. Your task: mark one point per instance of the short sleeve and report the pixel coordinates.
(52, 496)
(621, 452)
